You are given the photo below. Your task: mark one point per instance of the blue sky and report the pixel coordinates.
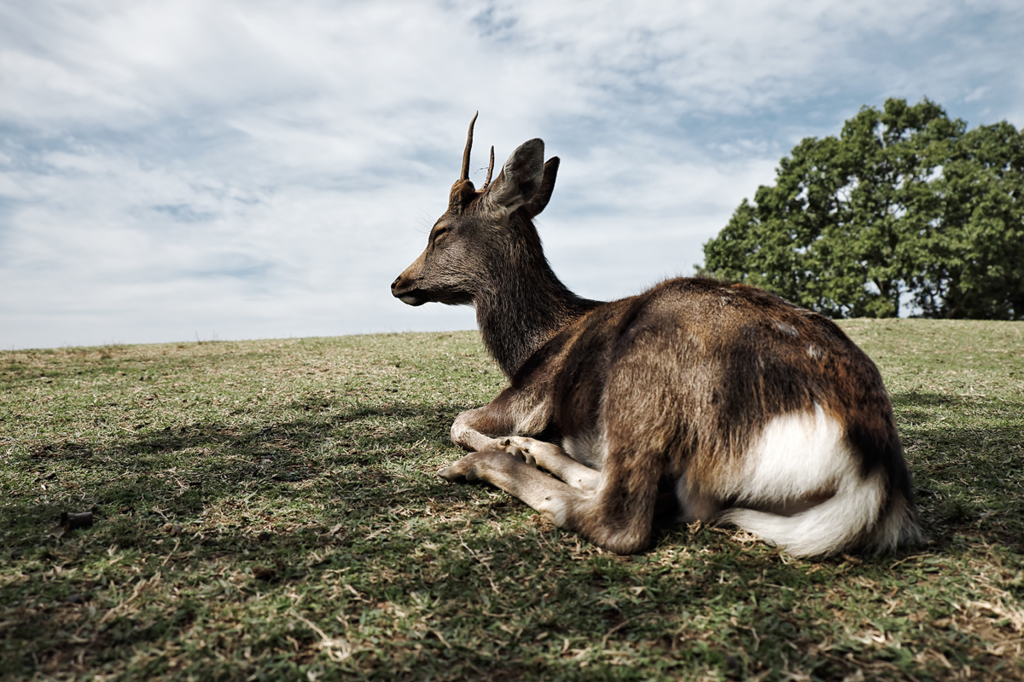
(231, 170)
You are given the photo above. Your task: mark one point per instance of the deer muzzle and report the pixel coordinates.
(404, 289)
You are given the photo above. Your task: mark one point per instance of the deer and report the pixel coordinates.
(747, 410)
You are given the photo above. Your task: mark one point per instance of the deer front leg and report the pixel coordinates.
(549, 496)
(616, 517)
(552, 458)
(467, 433)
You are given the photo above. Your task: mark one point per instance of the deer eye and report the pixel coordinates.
(438, 233)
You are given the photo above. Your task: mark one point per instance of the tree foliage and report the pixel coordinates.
(906, 208)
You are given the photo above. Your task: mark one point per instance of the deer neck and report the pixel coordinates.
(524, 306)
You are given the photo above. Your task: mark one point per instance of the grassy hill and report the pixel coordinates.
(270, 509)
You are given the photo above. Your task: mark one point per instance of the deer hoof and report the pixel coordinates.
(519, 448)
(453, 474)
(515, 444)
(463, 470)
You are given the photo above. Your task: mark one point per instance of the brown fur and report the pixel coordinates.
(680, 383)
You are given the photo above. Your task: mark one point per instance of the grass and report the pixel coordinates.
(270, 510)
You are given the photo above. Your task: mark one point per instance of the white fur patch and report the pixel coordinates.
(800, 457)
(797, 455)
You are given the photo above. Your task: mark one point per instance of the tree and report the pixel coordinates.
(906, 207)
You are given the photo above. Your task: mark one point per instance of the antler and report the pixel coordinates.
(469, 147)
(490, 167)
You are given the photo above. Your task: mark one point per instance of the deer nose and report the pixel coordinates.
(395, 283)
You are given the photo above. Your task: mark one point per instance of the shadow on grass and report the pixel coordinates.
(177, 472)
(967, 457)
(969, 477)
(964, 472)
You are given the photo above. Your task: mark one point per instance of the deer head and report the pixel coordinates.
(482, 230)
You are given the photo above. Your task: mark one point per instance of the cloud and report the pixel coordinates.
(257, 169)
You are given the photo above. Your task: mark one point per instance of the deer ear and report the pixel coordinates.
(520, 177)
(547, 185)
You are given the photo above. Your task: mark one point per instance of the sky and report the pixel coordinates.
(196, 170)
